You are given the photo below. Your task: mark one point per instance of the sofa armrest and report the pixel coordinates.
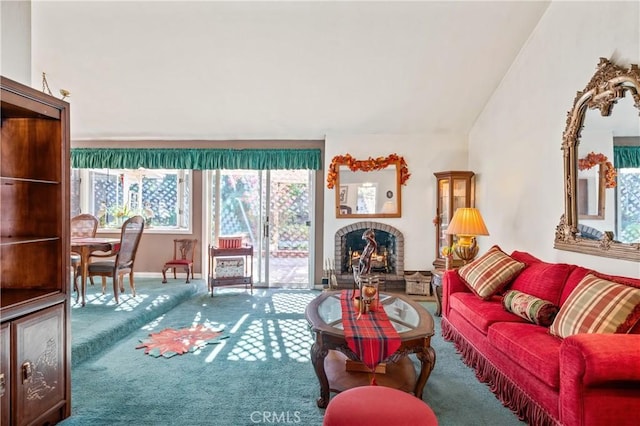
(600, 358)
(451, 283)
(600, 379)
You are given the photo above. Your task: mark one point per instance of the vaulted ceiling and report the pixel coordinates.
(266, 70)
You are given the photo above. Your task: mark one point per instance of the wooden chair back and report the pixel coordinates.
(184, 253)
(184, 249)
(130, 236)
(83, 225)
(129, 241)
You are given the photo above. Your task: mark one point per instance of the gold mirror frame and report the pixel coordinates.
(609, 83)
(347, 162)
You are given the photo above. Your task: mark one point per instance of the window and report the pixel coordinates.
(366, 202)
(162, 197)
(628, 205)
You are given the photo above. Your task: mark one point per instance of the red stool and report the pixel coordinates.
(378, 406)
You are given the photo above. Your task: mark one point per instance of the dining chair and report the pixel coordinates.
(123, 263)
(82, 225)
(184, 252)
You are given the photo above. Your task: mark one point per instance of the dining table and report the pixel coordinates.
(84, 246)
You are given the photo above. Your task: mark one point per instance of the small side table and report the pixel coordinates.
(436, 287)
(243, 275)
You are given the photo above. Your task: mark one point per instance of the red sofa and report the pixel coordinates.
(582, 379)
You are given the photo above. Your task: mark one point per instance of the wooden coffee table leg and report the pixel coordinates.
(436, 288)
(427, 359)
(318, 354)
(439, 301)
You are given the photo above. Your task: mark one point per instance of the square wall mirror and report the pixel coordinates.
(368, 188)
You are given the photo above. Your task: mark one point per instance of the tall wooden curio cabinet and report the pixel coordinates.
(454, 189)
(35, 333)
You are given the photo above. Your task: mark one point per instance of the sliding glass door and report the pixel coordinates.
(271, 210)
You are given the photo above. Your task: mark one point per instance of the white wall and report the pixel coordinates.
(15, 33)
(424, 154)
(515, 144)
(225, 70)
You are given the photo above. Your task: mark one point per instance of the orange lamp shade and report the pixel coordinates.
(467, 222)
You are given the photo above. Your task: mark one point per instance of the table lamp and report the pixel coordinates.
(467, 223)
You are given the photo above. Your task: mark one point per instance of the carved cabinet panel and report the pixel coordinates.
(39, 364)
(5, 375)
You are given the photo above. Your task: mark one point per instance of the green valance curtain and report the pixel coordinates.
(626, 157)
(196, 159)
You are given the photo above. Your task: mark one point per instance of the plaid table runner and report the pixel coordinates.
(371, 336)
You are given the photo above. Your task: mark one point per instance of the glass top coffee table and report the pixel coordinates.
(330, 351)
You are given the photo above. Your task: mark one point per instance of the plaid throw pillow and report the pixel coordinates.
(489, 273)
(531, 308)
(597, 305)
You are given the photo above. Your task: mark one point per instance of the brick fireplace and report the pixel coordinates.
(388, 262)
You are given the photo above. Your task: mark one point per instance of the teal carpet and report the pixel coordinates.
(96, 326)
(260, 374)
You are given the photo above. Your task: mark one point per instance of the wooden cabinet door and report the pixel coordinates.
(455, 189)
(39, 367)
(5, 375)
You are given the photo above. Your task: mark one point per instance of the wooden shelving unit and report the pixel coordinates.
(35, 333)
(454, 189)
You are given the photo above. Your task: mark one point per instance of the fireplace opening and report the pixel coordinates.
(382, 261)
(388, 261)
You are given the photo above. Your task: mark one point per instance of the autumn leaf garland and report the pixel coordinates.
(366, 166)
(592, 159)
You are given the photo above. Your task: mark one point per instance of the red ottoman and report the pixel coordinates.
(378, 406)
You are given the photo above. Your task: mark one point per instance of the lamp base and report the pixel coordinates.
(467, 252)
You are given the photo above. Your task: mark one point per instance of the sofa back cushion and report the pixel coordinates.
(490, 273)
(576, 275)
(597, 305)
(541, 279)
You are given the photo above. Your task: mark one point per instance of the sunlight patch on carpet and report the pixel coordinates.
(170, 342)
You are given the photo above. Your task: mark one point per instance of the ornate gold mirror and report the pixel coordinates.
(368, 188)
(604, 114)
